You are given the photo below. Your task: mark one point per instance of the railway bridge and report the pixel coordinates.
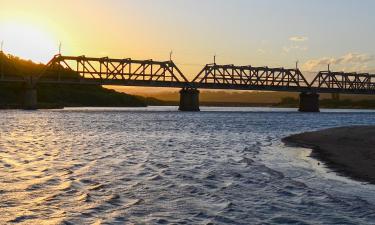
(149, 73)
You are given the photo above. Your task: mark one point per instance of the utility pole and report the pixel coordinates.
(297, 64)
(215, 59)
(60, 45)
(329, 68)
(170, 55)
(2, 60)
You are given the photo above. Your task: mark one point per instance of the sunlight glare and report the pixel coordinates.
(28, 41)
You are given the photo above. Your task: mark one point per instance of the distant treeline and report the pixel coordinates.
(248, 97)
(333, 103)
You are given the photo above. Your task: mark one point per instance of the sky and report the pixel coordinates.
(274, 33)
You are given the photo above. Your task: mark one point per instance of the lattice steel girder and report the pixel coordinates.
(114, 69)
(250, 76)
(129, 72)
(345, 81)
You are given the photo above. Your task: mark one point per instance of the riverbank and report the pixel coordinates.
(52, 96)
(40, 106)
(347, 150)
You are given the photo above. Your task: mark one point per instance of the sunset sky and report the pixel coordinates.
(243, 32)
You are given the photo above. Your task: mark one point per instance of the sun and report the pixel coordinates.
(28, 41)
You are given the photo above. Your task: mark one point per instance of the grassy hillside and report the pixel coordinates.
(11, 94)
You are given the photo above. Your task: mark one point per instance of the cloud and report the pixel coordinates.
(287, 49)
(296, 44)
(261, 51)
(298, 38)
(355, 58)
(350, 61)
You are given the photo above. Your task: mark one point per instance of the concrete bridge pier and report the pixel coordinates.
(309, 102)
(189, 99)
(30, 98)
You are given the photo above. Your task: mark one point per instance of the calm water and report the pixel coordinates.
(159, 166)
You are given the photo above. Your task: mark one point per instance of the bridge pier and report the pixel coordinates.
(30, 97)
(30, 101)
(189, 99)
(309, 102)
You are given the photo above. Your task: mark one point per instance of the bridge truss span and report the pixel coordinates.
(149, 73)
(113, 71)
(341, 82)
(250, 78)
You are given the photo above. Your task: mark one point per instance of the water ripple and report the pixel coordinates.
(126, 167)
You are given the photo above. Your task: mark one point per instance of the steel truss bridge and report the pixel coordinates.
(149, 73)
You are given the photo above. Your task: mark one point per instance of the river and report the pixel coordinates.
(159, 166)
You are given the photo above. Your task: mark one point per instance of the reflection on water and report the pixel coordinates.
(159, 166)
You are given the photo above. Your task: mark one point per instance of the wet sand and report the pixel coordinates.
(347, 150)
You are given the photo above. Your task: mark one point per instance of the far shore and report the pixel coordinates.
(350, 151)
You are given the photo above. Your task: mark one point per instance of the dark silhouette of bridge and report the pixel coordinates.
(150, 73)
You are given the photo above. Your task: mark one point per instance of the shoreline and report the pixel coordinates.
(172, 103)
(348, 151)
(56, 106)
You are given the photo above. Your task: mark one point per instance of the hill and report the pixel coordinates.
(60, 95)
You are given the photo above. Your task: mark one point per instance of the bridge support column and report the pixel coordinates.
(189, 99)
(309, 102)
(30, 98)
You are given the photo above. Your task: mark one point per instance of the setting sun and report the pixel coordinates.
(28, 41)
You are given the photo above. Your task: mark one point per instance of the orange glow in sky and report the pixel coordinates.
(28, 41)
(195, 32)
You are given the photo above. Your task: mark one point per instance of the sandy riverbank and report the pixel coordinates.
(347, 150)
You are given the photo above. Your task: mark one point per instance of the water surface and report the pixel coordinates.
(159, 166)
